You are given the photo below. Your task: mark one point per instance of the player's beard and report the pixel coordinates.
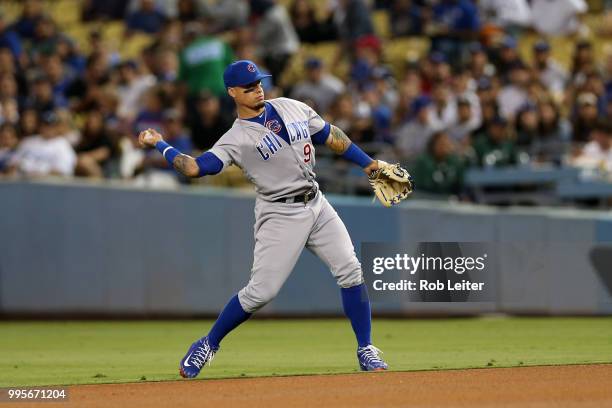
(259, 105)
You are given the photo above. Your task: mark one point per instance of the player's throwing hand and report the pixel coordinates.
(149, 137)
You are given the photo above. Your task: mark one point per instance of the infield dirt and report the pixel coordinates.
(525, 387)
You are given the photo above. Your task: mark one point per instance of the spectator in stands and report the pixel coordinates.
(131, 87)
(464, 86)
(439, 169)
(166, 65)
(95, 149)
(26, 24)
(583, 61)
(203, 60)
(8, 66)
(103, 9)
(455, 23)
(45, 154)
(367, 56)
(507, 57)
(597, 153)
(275, 36)
(385, 84)
(9, 100)
(147, 18)
(526, 126)
(85, 90)
(307, 27)
(594, 84)
(514, 95)
(42, 98)
(46, 38)
(100, 47)
(440, 69)
(226, 15)
(509, 15)
(412, 138)
(608, 74)
(548, 71)
(380, 114)
(585, 117)
(557, 17)
(59, 76)
(169, 37)
(553, 136)
(341, 113)
(8, 145)
(490, 111)
(210, 123)
(28, 123)
(461, 132)
(187, 10)
(444, 109)
(319, 86)
(150, 115)
(9, 38)
(478, 62)
(68, 52)
(353, 19)
(408, 90)
(407, 18)
(495, 147)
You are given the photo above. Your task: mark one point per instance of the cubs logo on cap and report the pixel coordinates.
(242, 73)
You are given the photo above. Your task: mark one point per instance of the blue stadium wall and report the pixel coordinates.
(113, 250)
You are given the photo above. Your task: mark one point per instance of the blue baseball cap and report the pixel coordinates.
(240, 73)
(541, 46)
(421, 102)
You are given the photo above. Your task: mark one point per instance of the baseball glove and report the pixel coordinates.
(391, 183)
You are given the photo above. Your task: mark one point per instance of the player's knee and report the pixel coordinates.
(349, 274)
(255, 296)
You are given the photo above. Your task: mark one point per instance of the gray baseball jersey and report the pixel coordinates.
(275, 168)
(282, 230)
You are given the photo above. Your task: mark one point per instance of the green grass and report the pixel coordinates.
(46, 353)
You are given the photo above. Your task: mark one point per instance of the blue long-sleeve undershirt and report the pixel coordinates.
(209, 164)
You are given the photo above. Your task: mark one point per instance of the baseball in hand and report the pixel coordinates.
(149, 137)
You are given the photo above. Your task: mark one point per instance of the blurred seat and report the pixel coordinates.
(382, 25)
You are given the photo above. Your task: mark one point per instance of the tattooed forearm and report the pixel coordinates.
(338, 141)
(186, 164)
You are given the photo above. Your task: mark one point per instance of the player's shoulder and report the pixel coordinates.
(233, 132)
(284, 102)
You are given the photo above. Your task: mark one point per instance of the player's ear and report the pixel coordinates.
(231, 92)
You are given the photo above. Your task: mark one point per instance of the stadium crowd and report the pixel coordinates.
(471, 100)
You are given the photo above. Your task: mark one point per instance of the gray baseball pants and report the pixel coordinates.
(281, 232)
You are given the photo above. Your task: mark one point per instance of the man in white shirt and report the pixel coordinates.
(320, 87)
(514, 95)
(131, 88)
(505, 13)
(444, 109)
(557, 17)
(46, 154)
(550, 73)
(461, 132)
(597, 154)
(411, 139)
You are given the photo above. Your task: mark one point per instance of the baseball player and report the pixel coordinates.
(273, 142)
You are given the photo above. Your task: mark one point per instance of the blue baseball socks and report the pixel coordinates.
(357, 308)
(354, 301)
(231, 317)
